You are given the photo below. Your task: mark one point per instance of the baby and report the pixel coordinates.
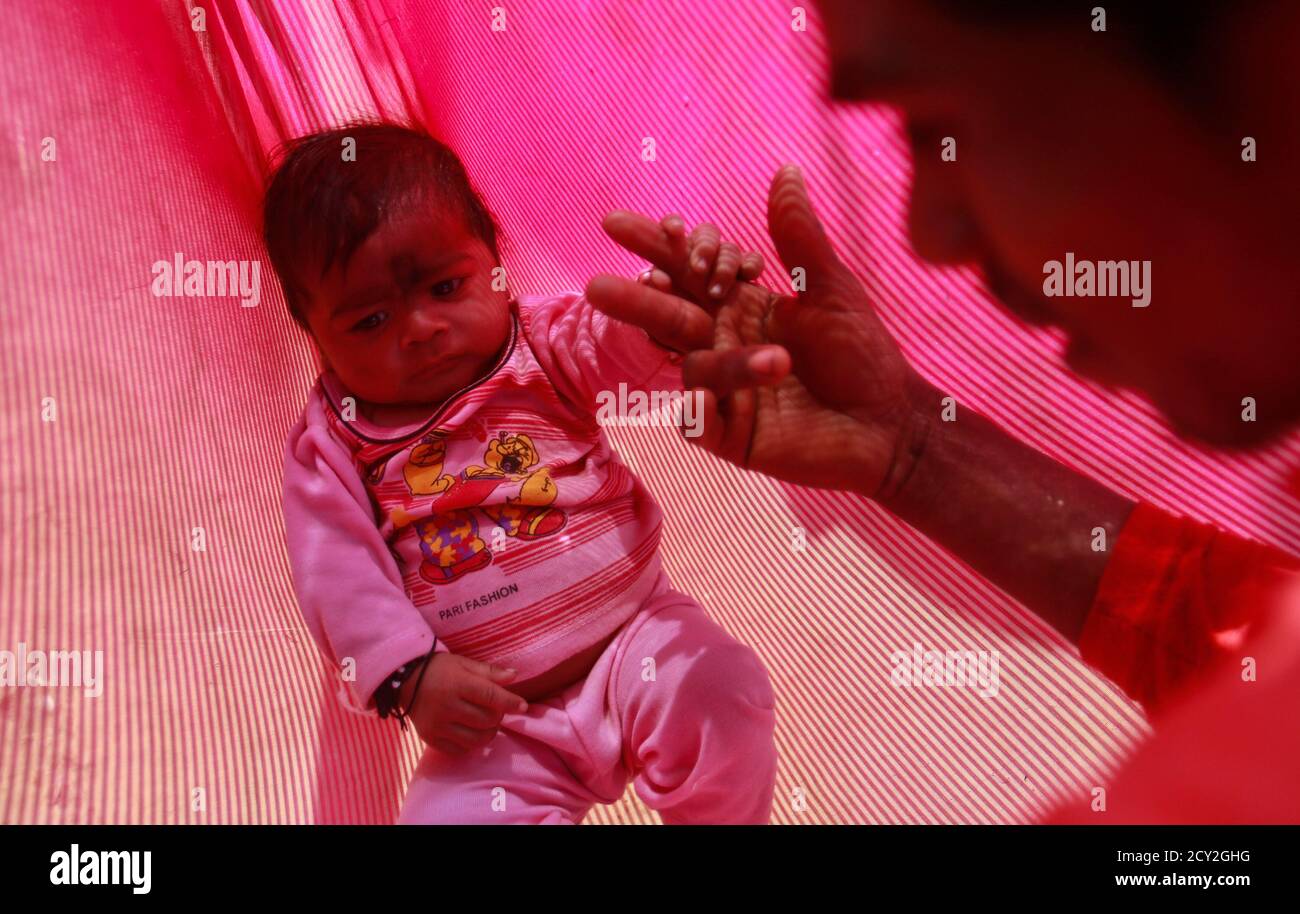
(465, 544)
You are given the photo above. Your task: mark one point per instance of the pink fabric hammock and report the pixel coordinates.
(136, 429)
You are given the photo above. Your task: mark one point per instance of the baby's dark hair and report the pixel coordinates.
(326, 196)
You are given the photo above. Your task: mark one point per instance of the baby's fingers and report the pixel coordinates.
(478, 686)
(474, 716)
(703, 244)
(489, 695)
(724, 270)
(751, 266)
(446, 746)
(460, 739)
(675, 226)
(487, 670)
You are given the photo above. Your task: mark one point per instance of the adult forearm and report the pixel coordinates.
(1021, 519)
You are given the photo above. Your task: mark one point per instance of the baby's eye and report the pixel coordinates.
(446, 287)
(370, 322)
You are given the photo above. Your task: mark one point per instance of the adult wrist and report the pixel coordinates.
(916, 432)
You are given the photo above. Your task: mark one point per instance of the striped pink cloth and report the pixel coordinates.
(140, 435)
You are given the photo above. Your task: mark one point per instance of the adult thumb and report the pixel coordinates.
(795, 229)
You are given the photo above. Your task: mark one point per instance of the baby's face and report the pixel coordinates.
(413, 318)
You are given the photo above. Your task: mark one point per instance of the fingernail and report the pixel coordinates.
(699, 263)
(521, 707)
(715, 290)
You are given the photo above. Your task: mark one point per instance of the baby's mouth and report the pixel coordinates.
(432, 370)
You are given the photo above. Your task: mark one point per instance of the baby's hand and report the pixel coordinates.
(460, 704)
(706, 267)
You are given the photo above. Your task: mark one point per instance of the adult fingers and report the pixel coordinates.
(678, 243)
(725, 425)
(672, 321)
(795, 229)
(710, 427)
(648, 239)
(739, 409)
(735, 369)
(655, 279)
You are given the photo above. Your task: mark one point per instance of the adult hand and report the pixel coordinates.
(807, 387)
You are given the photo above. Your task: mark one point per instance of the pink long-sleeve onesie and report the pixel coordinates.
(505, 528)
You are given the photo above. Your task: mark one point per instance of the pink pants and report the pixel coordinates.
(674, 704)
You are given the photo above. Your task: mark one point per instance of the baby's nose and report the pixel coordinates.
(424, 326)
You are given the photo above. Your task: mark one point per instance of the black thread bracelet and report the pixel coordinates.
(386, 699)
(406, 712)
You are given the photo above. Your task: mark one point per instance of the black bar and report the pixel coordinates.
(302, 863)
